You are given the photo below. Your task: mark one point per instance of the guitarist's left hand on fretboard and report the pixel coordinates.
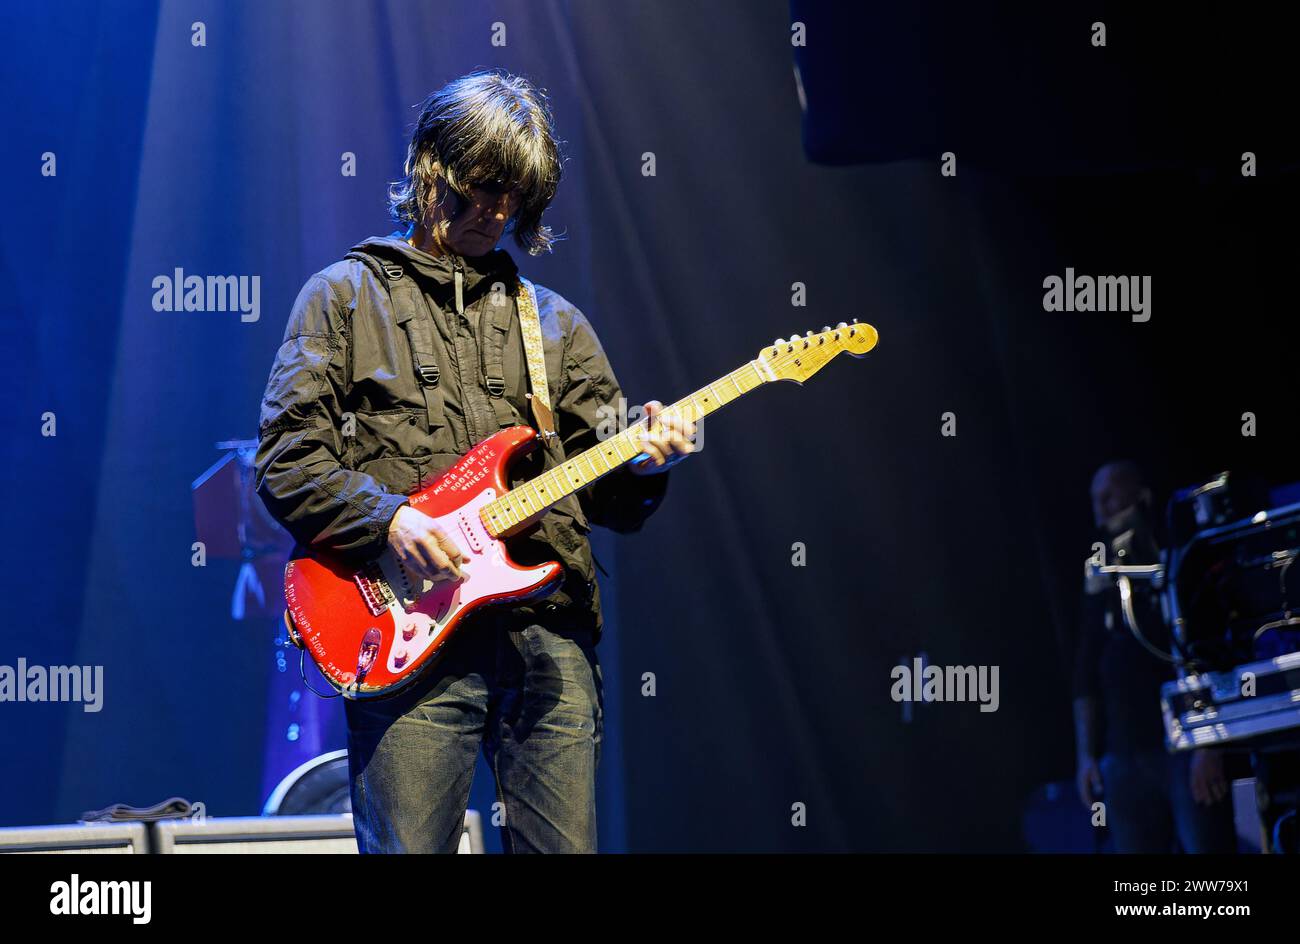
(668, 440)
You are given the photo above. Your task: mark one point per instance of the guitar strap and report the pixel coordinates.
(530, 327)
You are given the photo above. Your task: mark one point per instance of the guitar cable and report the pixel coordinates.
(302, 670)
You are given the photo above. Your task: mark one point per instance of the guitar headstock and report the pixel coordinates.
(798, 358)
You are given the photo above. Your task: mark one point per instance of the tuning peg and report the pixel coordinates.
(778, 342)
(855, 320)
(793, 338)
(825, 328)
(841, 325)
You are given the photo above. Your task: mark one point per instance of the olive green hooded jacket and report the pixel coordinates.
(347, 432)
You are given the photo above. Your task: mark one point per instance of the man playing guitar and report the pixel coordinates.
(395, 362)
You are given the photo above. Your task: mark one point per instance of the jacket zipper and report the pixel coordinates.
(458, 277)
(458, 274)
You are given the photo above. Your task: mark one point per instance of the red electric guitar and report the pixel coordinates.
(375, 630)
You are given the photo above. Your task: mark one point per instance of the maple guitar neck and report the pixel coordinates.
(795, 359)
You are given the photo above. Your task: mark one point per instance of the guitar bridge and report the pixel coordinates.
(374, 589)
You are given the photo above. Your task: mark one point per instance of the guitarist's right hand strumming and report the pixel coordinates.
(423, 549)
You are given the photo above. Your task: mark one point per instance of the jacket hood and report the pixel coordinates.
(494, 266)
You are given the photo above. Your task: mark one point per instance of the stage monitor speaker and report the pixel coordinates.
(328, 835)
(256, 835)
(97, 838)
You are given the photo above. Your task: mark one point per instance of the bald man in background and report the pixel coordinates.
(1152, 797)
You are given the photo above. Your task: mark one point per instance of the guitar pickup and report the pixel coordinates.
(374, 589)
(467, 528)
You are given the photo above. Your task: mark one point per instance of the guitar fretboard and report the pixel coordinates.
(535, 496)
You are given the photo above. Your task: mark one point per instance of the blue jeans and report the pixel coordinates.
(530, 696)
(1149, 804)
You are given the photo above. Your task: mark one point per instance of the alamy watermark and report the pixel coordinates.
(60, 683)
(132, 899)
(1123, 293)
(919, 682)
(181, 292)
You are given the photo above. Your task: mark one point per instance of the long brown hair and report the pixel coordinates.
(486, 129)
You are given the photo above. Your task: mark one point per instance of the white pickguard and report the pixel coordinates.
(423, 613)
